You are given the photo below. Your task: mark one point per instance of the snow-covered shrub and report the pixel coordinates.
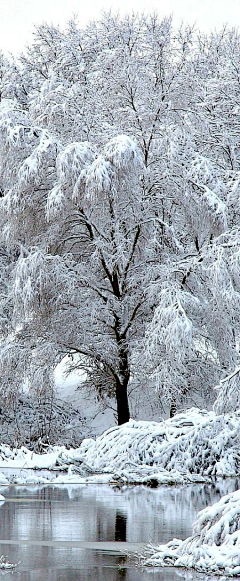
(214, 546)
(37, 423)
(193, 442)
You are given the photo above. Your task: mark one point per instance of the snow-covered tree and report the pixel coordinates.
(120, 177)
(83, 227)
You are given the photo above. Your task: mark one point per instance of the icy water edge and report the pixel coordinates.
(85, 532)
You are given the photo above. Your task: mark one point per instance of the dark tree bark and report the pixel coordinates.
(173, 408)
(122, 387)
(122, 402)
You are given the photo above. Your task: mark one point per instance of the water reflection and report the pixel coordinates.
(63, 519)
(121, 535)
(120, 527)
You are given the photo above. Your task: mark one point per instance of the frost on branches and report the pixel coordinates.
(119, 211)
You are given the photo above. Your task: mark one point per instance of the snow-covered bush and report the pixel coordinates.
(195, 442)
(214, 546)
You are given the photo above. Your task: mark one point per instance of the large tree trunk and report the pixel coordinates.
(121, 387)
(122, 402)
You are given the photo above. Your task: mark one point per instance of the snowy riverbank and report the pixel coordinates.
(190, 447)
(193, 446)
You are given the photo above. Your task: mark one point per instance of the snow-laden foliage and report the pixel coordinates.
(214, 545)
(119, 207)
(195, 442)
(123, 152)
(72, 160)
(228, 393)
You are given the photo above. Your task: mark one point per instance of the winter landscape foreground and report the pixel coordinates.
(193, 447)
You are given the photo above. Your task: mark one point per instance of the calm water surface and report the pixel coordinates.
(83, 533)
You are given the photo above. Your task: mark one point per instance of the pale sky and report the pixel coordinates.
(17, 17)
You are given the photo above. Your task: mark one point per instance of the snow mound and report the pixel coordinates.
(214, 546)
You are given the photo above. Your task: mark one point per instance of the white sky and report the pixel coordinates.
(17, 17)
